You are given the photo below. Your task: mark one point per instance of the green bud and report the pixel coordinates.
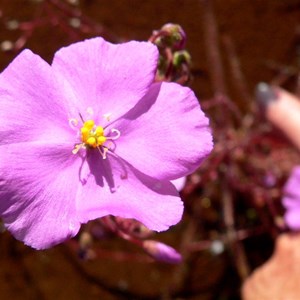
(181, 57)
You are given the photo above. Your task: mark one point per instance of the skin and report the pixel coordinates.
(284, 113)
(278, 278)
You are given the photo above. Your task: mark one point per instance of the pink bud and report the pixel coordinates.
(162, 252)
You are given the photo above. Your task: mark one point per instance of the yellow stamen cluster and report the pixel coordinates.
(91, 135)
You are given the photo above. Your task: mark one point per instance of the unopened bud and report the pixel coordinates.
(162, 252)
(181, 57)
(12, 24)
(171, 35)
(85, 240)
(6, 45)
(85, 243)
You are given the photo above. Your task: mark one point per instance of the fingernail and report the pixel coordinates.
(265, 94)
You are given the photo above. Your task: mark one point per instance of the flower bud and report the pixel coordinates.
(181, 57)
(162, 252)
(171, 35)
(85, 243)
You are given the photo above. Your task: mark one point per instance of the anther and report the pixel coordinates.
(89, 124)
(92, 142)
(99, 130)
(84, 134)
(101, 140)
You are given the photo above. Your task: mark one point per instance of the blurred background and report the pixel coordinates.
(233, 211)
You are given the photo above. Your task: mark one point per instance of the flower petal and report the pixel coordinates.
(292, 218)
(179, 183)
(114, 187)
(109, 78)
(291, 200)
(291, 188)
(37, 192)
(31, 107)
(166, 134)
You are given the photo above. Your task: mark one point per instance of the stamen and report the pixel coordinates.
(92, 142)
(77, 148)
(73, 123)
(80, 115)
(101, 140)
(84, 134)
(103, 151)
(99, 130)
(118, 134)
(107, 117)
(89, 124)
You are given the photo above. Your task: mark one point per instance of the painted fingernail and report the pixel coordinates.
(265, 94)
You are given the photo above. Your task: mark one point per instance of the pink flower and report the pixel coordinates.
(92, 135)
(291, 200)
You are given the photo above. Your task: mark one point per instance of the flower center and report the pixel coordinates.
(91, 135)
